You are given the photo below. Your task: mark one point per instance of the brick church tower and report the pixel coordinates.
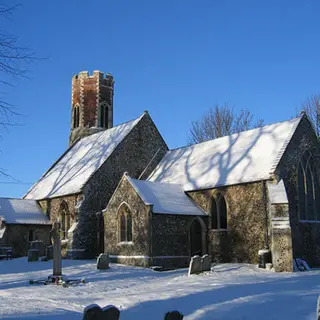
(92, 104)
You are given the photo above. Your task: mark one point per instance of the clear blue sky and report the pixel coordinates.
(175, 58)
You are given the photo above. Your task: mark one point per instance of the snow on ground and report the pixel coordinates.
(230, 291)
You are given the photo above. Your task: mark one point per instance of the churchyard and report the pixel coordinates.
(228, 291)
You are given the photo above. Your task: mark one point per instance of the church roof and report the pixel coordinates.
(166, 198)
(74, 168)
(21, 211)
(247, 156)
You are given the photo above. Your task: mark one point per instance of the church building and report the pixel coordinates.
(118, 189)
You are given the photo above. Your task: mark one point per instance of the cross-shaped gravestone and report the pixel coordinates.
(55, 238)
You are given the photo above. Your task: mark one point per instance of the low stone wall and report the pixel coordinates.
(138, 261)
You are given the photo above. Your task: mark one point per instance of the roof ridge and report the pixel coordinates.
(285, 145)
(237, 133)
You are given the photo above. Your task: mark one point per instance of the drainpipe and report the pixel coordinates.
(265, 205)
(150, 235)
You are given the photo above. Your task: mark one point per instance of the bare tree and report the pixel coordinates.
(221, 121)
(13, 65)
(312, 108)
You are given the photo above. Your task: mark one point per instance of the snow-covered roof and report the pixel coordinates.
(244, 157)
(166, 198)
(71, 172)
(22, 211)
(277, 193)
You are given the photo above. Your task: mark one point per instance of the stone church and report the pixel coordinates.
(118, 189)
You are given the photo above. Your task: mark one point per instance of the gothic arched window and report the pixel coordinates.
(218, 212)
(103, 116)
(64, 217)
(308, 189)
(125, 221)
(76, 117)
(214, 214)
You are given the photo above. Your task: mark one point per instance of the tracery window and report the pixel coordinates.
(218, 212)
(64, 217)
(103, 116)
(308, 189)
(125, 221)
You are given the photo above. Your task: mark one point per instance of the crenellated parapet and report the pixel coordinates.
(92, 103)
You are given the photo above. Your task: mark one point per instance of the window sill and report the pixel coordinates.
(309, 221)
(125, 243)
(219, 230)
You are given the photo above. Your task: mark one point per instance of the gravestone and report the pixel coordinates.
(49, 252)
(318, 309)
(103, 261)
(206, 263)
(94, 312)
(195, 265)
(55, 238)
(33, 255)
(173, 315)
(39, 245)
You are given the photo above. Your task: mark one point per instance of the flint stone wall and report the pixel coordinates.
(305, 235)
(246, 214)
(139, 247)
(171, 238)
(17, 237)
(132, 155)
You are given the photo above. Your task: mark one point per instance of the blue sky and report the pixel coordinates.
(175, 58)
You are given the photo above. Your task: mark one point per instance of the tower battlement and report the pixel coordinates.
(92, 103)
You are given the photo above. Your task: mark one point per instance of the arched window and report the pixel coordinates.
(64, 217)
(76, 117)
(125, 221)
(218, 212)
(214, 214)
(103, 116)
(308, 189)
(31, 235)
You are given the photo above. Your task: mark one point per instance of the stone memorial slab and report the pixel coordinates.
(33, 255)
(49, 252)
(173, 315)
(318, 309)
(103, 261)
(206, 263)
(55, 238)
(94, 312)
(195, 265)
(39, 245)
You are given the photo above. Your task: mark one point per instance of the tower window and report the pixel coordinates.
(103, 116)
(76, 117)
(308, 189)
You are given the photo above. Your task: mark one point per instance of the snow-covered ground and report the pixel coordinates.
(230, 291)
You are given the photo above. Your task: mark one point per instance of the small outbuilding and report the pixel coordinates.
(22, 221)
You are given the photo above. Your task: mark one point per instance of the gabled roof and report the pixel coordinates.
(247, 156)
(21, 211)
(71, 172)
(166, 198)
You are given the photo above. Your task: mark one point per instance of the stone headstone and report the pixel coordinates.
(94, 312)
(39, 245)
(33, 255)
(173, 315)
(195, 265)
(206, 263)
(103, 261)
(318, 309)
(49, 252)
(269, 266)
